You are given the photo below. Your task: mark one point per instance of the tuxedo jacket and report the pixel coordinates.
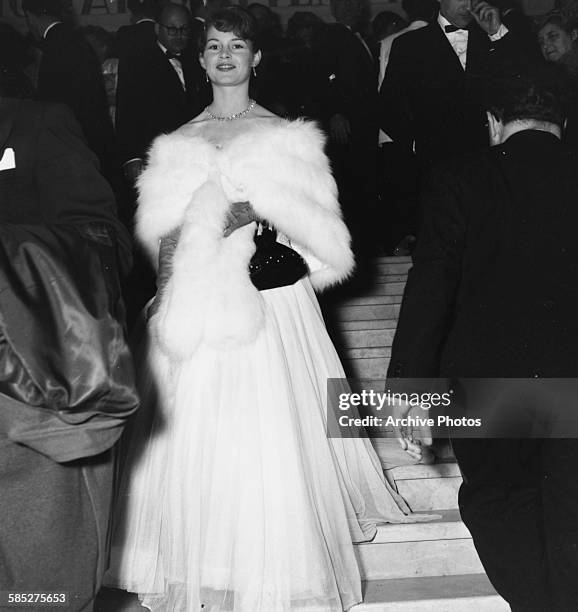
(427, 98)
(493, 291)
(69, 73)
(151, 99)
(349, 74)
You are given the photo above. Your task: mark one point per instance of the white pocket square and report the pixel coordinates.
(8, 161)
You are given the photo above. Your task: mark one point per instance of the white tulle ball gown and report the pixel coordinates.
(233, 498)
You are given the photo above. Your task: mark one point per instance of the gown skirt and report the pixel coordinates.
(233, 498)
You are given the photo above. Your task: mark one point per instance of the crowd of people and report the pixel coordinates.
(254, 168)
(384, 99)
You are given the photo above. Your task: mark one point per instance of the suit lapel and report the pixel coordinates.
(440, 50)
(168, 69)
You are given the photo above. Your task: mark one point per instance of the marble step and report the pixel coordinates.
(366, 362)
(391, 265)
(380, 278)
(366, 352)
(427, 487)
(362, 325)
(385, 287)
(367, 312)
(360, 338)
(378, 299)
(466, 593)
(372, 368)
(442, 547)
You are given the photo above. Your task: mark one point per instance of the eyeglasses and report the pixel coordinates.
(174, 31)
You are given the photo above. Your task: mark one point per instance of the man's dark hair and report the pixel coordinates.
(539, 96)
(422, 10)
(58, 9)
(232, 19)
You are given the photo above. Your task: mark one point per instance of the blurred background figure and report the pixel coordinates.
(350, 116)
(70, 73)
(396, 171)
(557, 36)
(419, 14)
(101, 41)
(103, 44)
(301, 69)
(386, 23)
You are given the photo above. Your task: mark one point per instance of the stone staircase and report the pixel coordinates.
(414, 567)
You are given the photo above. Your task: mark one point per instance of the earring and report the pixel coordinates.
(207, 76)
(254, 71)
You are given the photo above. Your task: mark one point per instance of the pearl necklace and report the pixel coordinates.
(231, 117)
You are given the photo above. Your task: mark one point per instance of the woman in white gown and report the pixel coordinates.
(233, 497)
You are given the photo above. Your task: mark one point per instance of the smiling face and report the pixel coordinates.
(555, 42)
(227, 58)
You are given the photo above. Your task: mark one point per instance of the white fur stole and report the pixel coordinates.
(281, 169)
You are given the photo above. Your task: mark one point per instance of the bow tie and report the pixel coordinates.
(170, 55)
(452, 28)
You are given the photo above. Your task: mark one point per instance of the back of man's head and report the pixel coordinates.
(420, 10)
(537, 96)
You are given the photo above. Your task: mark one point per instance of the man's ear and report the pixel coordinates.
(495, 128)
(256, 59)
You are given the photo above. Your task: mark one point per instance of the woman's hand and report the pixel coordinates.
(239, 215)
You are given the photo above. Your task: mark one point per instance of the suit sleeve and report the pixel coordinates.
(395, 117)
(69, 180)
(433, 282)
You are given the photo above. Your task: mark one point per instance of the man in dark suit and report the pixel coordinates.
(493, 293)
(69, 73)
(66, 388)
(349, 92)
(140, 34)
(432, 95)
(158, 89)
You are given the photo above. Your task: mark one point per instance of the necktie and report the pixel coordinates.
(170, 55)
